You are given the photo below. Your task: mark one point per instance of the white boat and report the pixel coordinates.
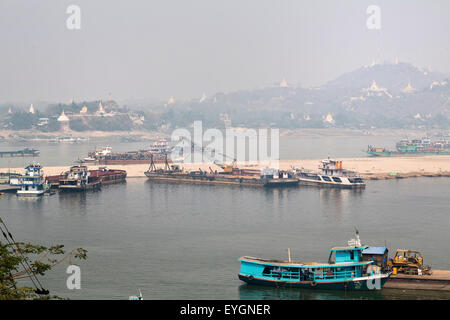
(32, 183)
(138, 297)
(331, 174)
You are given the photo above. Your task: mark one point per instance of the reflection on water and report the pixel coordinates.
(252, 292)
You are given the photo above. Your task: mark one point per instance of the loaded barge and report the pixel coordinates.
(415, 147)
(25, 152)
(230, 176)
(105, 156)
(79, 178)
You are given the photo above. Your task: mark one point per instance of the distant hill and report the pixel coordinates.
(389, 95)
(382, 95)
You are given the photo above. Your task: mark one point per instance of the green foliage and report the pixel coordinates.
(36, 259)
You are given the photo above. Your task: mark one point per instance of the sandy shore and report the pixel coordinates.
(369, 168)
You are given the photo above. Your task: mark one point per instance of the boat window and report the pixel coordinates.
(352, 255)
(336, 179)
(326, 178)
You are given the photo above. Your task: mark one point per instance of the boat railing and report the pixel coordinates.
(333, 274)
(285, 274)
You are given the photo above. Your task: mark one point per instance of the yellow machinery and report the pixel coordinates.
(409, 262)
(226, 168)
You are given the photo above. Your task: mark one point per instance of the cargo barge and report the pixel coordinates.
(230, 176)
(105, 156)
(25, 152)
(415, 147)
(79, 178)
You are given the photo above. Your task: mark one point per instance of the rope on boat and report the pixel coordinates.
(23, 262)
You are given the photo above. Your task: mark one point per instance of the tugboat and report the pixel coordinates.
(32, 183)
(78, 178)
(331, 174)
(345, 270)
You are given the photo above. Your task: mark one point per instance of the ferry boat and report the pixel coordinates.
(345, 270)
(32, 183)
(331, 174)
(415, 147)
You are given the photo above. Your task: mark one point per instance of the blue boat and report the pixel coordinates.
(345, 270)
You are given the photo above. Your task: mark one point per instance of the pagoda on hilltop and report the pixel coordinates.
(409, 88)
(64, 121)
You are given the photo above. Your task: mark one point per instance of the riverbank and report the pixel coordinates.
(369, 168)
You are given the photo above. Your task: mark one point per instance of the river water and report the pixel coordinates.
(179, 241)
(290, 148)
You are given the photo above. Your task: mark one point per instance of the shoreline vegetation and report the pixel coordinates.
(368, 168)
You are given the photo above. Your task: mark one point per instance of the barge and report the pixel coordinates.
(415, 147)
(331, 174)
(25, 152)
(79, 178)
(105, 156)
(234, 176)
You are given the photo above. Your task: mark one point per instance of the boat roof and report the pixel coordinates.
(348, 248)
(301, 263)
(374, 250)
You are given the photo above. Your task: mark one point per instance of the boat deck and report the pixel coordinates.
(439, 280)
(298, 263)
(8, 188)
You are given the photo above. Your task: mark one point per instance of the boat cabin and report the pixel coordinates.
(32, 182)
(346, 265)
(379, 255)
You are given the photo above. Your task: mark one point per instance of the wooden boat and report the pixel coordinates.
(347, 271)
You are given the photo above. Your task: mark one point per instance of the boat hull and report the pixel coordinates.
(355, 284)
(310, 182)
(74, 188)
(406, 154)
(38, 193)
(221, 179)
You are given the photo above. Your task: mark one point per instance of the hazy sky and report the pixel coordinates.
(157, 49)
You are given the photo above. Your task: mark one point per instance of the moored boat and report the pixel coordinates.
(32, 183)
(78, 178)
(231, 176)
(415, 147)
(331, 174)
(105, 156)
(345, 270)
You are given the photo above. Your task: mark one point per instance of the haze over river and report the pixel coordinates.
(180, 241)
